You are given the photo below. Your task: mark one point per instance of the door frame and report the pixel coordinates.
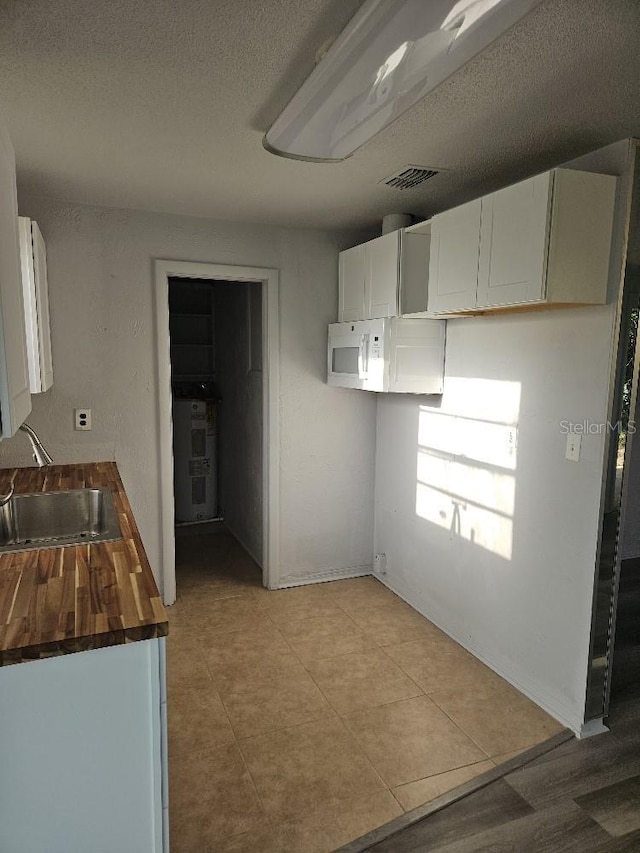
(268, 278)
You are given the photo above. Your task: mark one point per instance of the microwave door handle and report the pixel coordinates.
(364, 355)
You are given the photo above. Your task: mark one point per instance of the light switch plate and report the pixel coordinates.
(572, 452)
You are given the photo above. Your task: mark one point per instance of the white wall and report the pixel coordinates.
(240, 462)
(104, 350)
(499, 547)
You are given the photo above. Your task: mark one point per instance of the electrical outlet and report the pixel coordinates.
(572, 452)
(380, 563)
(82, 418)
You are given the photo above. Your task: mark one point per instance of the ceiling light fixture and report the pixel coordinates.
(389, 56)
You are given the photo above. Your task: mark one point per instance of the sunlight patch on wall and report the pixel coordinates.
(466, 459)
(464, 520)
(493, 489)
(483, 399)
(469, 438)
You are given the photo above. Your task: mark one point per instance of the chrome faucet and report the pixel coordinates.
(40, 455)
(4, 499)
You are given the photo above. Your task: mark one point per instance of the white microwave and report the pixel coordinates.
(390, 354)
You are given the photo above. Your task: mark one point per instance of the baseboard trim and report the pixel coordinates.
(303, 579)
(324, 575)
(591, 728)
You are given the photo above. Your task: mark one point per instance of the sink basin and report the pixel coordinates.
(54, 519)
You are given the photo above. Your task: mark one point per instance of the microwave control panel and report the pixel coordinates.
(375, 349)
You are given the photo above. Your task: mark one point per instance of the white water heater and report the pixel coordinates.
(195, 460)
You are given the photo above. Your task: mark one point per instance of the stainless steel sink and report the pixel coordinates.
(54, 519)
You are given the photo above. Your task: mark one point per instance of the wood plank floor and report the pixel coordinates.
(583, 796)
(626, 657)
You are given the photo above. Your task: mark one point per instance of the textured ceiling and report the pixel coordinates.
(162, 105)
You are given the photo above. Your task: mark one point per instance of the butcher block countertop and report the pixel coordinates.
(54, 601)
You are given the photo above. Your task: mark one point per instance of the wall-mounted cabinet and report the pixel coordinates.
(15, 395)
(33, 258)
(453, 263)
(544, 241)
(351, 298)
(384, 277)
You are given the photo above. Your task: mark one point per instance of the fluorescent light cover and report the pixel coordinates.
(389, 56)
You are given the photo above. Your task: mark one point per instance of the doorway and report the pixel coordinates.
(260, 290)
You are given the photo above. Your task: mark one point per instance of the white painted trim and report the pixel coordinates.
(163, 270)
(325, 575)
(592, 728)
(532, 690)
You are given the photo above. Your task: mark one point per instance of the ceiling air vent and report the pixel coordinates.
(410, 176)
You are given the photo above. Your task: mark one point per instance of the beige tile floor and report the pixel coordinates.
(303, 718)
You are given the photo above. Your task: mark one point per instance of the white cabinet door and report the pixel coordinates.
(416, 364)
(15, 398)
(82, 763)
(382, 271)
(453, 262)
(513, 243)
(33, 255)
(375, 277)
(351, 273)
(44, 321)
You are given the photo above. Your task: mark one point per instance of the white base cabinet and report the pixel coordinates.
(543, 241)
(82, 741)
(33, 258)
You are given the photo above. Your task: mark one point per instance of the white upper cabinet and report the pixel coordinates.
(377, 277)
(579, 245)
(453, 264)
(545, 240)
(382, 272)
(33, 256)
(15, 397)
(513, 243)
(351, 288)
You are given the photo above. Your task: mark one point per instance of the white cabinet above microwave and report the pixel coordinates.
(384, 277)
(389, 354)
